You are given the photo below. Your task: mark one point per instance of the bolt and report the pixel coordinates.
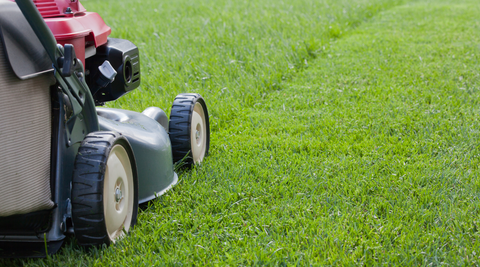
(118, 195)
(68, 10)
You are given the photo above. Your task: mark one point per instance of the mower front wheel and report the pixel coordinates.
(104, 189)
(189, 129)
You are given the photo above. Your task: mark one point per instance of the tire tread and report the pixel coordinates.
(87, 188)
(179, 126)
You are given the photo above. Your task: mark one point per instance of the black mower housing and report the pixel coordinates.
(124, 57)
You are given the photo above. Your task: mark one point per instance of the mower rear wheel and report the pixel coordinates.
(104, 189)
(189, 129)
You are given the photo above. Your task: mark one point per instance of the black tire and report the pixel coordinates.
(91, 176)
(183, 137)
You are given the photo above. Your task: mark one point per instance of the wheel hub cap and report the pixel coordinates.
(198, 133)
(118, 197)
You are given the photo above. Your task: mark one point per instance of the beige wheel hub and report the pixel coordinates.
(118, 193)
(198, 135)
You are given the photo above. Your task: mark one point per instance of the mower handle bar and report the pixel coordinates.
(40, 28)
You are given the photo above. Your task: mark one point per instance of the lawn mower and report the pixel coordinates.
(68, 166)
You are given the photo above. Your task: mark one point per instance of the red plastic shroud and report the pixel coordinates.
(71, 24)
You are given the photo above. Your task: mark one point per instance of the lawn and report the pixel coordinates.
(344, 132)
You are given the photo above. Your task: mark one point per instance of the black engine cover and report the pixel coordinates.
(124, 57)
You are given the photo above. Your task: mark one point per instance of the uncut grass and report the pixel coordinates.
(369, 155)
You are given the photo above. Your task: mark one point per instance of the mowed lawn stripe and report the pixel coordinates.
(380, 135)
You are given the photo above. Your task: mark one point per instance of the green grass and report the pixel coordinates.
(234, 52)
(343, 133)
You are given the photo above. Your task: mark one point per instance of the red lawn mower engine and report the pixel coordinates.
(112, 66)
